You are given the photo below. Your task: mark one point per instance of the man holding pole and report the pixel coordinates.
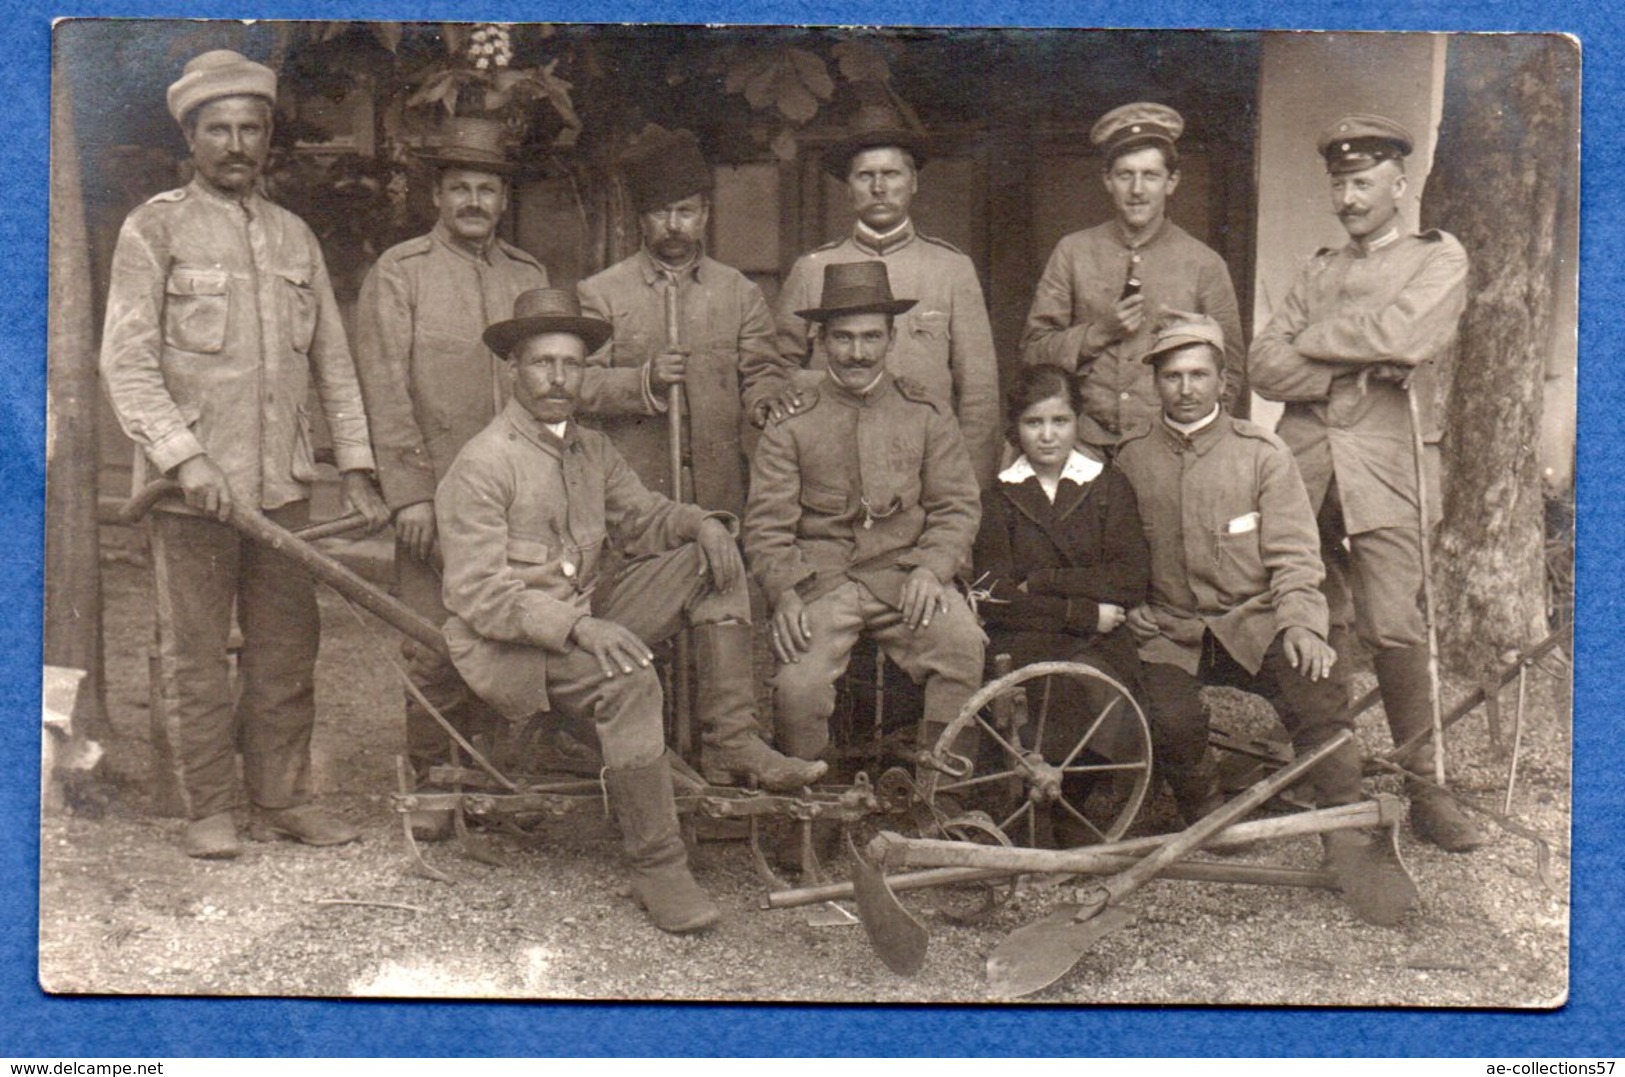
(1353, 351)
(692, 354)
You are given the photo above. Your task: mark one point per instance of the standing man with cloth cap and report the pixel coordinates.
(863, 506)
(725, 360)
(1363, 326)
(525, 514)
(430, 385)
(945, 344)
(219, 316)
(1235, 577)
(1105, 288)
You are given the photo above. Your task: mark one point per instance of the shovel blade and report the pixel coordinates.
(1042, 952)
(898, 938)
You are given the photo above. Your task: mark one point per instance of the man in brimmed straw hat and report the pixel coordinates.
(863, 506)
(1235, 574)
(525, 514)
(219, 316)
(1364, 325)
(945, 343)
(1098, 301)
(430, 384)
(724, 356)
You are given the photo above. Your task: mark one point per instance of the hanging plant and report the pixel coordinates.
(476, 80)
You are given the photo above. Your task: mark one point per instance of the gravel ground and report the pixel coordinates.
(123, 912)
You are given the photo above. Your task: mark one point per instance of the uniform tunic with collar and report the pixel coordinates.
(733, 366)
(1398, 302)
(945, 343)
(1080, 284)
(429, 381)
(1234, 548)
(862, 487)
(219, 315)
(524, 517)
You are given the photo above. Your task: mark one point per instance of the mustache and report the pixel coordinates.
(475, 213)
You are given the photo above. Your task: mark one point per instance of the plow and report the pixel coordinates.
(1037, 781)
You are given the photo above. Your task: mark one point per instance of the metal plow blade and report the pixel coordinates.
(898, 938)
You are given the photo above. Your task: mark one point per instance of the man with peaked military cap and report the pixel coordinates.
(525, 515)
(219, 316)
(724, 356)
(430, 385)
(944, 344)
(1104, 288)
(1363, 325)
(863, 506)
(1235, 598)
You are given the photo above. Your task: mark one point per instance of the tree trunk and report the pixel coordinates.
(73, 592)
(1503, 177)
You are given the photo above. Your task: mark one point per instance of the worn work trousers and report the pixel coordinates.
(201, 568)
(417, 585)
(654, 597)
(946, 656)
(1375, 584)
(1312, 711)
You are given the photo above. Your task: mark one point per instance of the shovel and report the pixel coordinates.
(1037, 955)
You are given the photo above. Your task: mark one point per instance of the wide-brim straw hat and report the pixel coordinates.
(546, 310)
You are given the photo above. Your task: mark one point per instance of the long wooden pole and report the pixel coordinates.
(1435, 705)
(682, 706)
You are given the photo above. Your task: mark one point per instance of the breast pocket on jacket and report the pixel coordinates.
(196, 305)
(300, 298)
(929, 324)
(823, 500)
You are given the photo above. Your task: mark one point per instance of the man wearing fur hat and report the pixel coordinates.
(1105, 288)
(219, 317)
(863, 506)
(945, 343)
(724, 355)
(526, 513)
(430, 385)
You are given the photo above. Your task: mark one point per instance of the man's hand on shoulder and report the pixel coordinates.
(721, 553)
(1308, 653)
(617, 648)
(206, 487)
(791, 635)
(783, 404)
(923, 596)
(415, 527)
(362, 495)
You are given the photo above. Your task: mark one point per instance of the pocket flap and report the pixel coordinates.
(299, 278)
(529, 551)
(825, 499)
(184, 281)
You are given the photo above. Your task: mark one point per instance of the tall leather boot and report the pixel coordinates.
(643, 803)
(726, 701)
(1195, 787)
(1402, 676)
(1374, 884)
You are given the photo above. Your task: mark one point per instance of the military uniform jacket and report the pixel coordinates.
(1234, 546)
(1397, 302)
(944, 344)
(863, 487)
(1080, 284)
(219, 314)
(733, 366)
(430, 383)
(524, 518)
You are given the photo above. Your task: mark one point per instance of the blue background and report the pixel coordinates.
(32, 1023)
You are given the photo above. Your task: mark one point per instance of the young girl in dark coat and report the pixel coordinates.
(1061, 556)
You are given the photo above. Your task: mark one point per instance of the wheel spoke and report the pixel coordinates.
(1015, 753)
(1004, 825)
(979, 780)
(1084, 819)
(1087, 768)
(1043, 716)
(1089, 735)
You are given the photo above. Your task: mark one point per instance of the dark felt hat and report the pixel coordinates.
(662, 167)
(856, 288)
(471, 142)
(1358, 142)
(877, 123)
(546, 310)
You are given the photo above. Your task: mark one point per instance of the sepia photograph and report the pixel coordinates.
(551, 511)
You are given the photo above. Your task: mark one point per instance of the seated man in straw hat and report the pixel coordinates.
(525, 513)
(863, 505)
